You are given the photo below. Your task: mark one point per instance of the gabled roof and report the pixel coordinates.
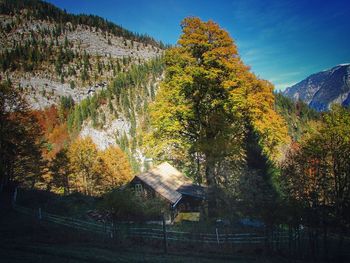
(193, 190)
(170, 183)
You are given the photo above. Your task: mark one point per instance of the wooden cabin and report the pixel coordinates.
(166, 182)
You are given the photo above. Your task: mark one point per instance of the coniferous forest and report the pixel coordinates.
(90, 112)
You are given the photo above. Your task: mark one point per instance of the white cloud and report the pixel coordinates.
(283, 86)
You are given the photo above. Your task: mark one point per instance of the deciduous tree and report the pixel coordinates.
(207, 101)
(116, 168)
(20, 139)
(316, 176)
(82, 155)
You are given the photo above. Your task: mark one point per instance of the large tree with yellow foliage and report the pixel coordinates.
(208, 101)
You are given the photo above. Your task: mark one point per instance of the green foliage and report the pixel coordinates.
(73, 205)
(72, 84)
(206, 105)
(61, 171)
(316, 177)
(257, 188)
(124, 204)
(297, 115)
(128, 89)
(122, 95)
(29, 55)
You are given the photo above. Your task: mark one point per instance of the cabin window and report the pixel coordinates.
(138, 189)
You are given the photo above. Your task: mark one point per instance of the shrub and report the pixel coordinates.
(124, 204)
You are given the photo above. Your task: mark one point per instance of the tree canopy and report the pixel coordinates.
(316, 172)
(96, 171)
(20, 139)
(207, 103)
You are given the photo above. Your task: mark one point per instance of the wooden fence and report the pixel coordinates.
(146, 231)
(292, 244)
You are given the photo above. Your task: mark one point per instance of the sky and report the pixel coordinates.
(283, 41)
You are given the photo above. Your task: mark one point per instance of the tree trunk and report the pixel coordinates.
(85, 183)
(66, 188)
(325, 242)
(340, 245)
(210, 177)
(2, 184)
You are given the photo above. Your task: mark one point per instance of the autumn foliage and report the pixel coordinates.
(207, 104)
(37, 151)
(20, 140)
(116, 169)
(55, 131)
(95, 171)
(316, 172)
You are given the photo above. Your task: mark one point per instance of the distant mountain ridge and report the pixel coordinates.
(322, 89)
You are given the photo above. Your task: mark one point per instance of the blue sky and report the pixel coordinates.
(283, 41)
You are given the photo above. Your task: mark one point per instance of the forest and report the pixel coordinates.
(260, 155)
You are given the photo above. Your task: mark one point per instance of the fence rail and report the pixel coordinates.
(109, 230)
(297, 243)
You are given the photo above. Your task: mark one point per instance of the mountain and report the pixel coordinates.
(81, 74)
(49, 53)
(322, 89)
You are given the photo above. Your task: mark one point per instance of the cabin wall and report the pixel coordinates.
(144, 191)
(147, 191)
(189, 204)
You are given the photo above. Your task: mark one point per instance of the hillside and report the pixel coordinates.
(297, 115)
(50, 54)
(98, 76)
(119, 114)
(322, 89)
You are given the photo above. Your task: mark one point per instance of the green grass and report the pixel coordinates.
(24, 239)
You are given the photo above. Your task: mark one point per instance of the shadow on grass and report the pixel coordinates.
(24, 239)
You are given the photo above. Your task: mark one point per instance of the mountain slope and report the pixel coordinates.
(297, 115)
(82, 74)
(119, 114)
(324, 88)
(50, 54)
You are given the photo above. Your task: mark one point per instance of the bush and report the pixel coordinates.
(124, 204)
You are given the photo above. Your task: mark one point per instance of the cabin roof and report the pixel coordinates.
(171, 183)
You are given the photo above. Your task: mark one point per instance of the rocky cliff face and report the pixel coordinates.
(324, 88)
(110, 73)
(49, 58)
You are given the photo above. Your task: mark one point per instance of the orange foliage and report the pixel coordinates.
(58, 137)
(47, 118)
(55, 133)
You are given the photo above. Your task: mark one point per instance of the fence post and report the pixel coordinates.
(164, 236)
(39, 213)
(14, 198)
(112, 231)
(217, 235)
